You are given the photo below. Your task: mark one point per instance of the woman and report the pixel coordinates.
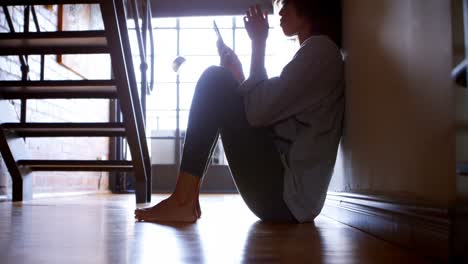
(281, 134)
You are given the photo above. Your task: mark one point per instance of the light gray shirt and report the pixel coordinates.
(305, 106)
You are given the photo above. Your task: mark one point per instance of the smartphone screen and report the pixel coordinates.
(218, 34)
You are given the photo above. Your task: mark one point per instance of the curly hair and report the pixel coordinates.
(325, 11)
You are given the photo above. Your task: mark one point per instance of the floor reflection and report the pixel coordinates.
(282, 243)
(101, 229)
(166, 243)
(208, 242)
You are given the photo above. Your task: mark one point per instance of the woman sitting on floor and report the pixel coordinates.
(280, 134)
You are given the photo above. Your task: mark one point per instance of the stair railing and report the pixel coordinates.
(28, 9)
(134, 7)
(115, 21)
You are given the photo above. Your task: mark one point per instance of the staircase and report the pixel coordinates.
(114, 41)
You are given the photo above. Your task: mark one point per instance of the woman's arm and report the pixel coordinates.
(314, 72)
(230, 61)
(256, 24)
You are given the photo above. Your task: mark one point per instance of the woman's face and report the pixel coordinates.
(290, 21)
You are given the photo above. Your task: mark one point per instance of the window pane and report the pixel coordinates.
(162, 150)
(131, 23)
(243, 43)
(162, 119)
(153, 123)
(245, 60)
(163, 69)
(273, 66)
(133, 42)
(165, 42)
(197, 44)
(163, 97)
(183, 120)
(273, 21)
(239, 21)
(186, 95)
(195, 66)
(202, 41)
(206, 22)
(164, 22)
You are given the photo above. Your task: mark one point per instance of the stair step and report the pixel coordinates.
(57, 42)
(66, 129)
(58, 89)
(76, 165)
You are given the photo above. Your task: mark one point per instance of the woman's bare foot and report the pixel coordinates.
(142, 211)
(182, 206)
(169, 210)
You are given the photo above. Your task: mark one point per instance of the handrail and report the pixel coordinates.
(136, 15)
(22, 59)
(141, 34)
(150, 25)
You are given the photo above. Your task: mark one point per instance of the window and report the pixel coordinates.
(194, 39)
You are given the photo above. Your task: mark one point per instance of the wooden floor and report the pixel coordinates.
(101, 229)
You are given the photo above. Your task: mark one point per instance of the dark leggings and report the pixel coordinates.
(255, 164)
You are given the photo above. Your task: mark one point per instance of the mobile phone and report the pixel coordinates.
(218, 34)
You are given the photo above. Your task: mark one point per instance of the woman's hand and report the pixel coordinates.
(256, 24)
(230, 61)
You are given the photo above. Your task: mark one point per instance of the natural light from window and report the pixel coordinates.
(194, 39)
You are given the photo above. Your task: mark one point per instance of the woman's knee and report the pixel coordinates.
(218, 76)
(215, 72)
(268, 210)
(275, 217)
(218, 90)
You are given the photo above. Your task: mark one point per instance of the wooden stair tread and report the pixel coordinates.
(58, 89)
(66, 129)
(57, 42)
(76, 165)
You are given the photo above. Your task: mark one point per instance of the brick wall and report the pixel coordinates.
(55, 111)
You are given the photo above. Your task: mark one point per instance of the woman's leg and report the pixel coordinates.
(254, 162)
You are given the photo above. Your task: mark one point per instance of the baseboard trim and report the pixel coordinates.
(416, 227)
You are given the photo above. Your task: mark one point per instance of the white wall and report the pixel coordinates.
(400, 116)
